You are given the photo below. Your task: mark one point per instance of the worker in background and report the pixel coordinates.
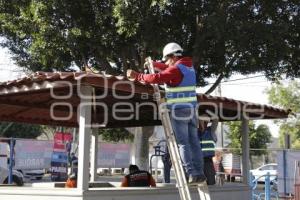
(138, 178)
(71, 181)
(178, 75)
(208, 139)
(167, 165)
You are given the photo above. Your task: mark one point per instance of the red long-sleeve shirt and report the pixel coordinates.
(171, 75)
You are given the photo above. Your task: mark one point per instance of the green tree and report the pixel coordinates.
(222, 36)
(287, 97)
(259, 137)
(116, 134)
(19, 130)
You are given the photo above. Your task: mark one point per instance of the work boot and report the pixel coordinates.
(196, 180)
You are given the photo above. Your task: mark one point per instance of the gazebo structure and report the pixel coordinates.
(91, 101)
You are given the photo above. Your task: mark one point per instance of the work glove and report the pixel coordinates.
(131, 74)
(147, 62)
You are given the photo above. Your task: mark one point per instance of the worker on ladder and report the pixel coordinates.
(178, 74)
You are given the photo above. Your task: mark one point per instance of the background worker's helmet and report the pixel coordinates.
(172, 49)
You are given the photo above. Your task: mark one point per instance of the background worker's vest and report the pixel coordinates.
(207, 143)
(71, 183)
(183, 95)
(138, 179)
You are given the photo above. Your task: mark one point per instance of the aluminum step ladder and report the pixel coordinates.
(173, 147)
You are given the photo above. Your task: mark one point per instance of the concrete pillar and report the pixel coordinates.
(140, 159)
(84, 112)
(94, 155)
(245, 151)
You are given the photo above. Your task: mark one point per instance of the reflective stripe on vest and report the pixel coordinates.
(207, 142)
(208, 149)
(208, 145)
(182, 100)
(181, 89)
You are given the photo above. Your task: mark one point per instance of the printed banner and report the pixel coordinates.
(3, 154)
(59, 160)
(33, 154)
(286, 178)
(113, 155)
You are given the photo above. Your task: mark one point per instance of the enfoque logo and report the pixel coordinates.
(127, 106)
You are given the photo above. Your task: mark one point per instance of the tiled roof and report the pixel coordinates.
(30, 99)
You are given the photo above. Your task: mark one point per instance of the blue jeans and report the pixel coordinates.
(184, 122)
(167, 165)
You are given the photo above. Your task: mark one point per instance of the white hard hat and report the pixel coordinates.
(172, 48)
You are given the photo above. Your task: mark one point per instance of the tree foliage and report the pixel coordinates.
(222, 36)
(19, 130)
(287, 97)
(259, 137)
(116, 135)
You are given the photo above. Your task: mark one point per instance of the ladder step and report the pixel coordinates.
(203, 192)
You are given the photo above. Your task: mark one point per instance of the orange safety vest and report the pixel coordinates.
(71, 183)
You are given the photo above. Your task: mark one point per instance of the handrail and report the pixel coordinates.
(256, 179)
(267, 193)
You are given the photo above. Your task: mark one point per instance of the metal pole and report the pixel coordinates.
(287, 146)
(284, 171)
(287, 141)
(222, 128)
(251, 183)
(11, 159)
(222, 135)
(267, 187)
(156, 171)
(245, 150)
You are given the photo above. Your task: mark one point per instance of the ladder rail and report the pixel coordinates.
(176, 161)
(183, 188)
(171, 141)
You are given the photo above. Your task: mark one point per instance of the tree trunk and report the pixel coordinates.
(215, 85)
(251, 162)
(141, 144)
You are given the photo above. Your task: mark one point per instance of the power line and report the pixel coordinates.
(262, 86)
(245, 83)
(239, 79)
